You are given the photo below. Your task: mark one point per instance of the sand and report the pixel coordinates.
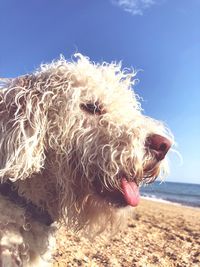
(159, 234)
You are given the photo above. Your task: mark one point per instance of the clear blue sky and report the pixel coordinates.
(161, 37)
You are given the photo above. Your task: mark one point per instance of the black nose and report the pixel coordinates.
(159, 145)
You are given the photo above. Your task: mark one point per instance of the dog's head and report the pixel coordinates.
(83, 122)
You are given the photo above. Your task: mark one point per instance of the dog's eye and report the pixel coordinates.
(91, 108)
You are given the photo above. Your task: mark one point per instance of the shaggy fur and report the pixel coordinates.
(67, 130)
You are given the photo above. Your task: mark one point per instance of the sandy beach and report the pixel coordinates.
(159, 234)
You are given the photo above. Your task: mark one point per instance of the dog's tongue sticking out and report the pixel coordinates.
(131, 192)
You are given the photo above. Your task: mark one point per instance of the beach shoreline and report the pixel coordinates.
(158, 234)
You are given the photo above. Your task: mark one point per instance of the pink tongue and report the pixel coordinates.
(131, 192)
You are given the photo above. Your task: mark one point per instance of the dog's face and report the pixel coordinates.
(110, 147)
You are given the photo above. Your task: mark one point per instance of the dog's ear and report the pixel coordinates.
(22, 129)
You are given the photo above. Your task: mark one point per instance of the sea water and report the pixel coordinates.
(182, 193)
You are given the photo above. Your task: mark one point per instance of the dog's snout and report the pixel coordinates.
(159, 145)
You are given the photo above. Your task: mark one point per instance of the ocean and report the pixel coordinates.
(182, 193)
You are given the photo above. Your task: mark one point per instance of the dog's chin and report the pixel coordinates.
(113, 198)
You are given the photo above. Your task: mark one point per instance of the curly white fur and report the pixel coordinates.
(53, 149)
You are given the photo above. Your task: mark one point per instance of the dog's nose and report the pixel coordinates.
(159, 145)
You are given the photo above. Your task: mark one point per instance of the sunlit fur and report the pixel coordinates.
(53, 149)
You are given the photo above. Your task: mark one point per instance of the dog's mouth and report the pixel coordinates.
(126, 194)
(126, 191)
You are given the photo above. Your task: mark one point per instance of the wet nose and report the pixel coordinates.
(159, 145)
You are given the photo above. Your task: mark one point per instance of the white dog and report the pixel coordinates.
(74, 148)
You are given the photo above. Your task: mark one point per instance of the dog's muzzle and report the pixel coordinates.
(129, 194)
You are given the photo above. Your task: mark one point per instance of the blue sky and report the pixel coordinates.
(161, 37)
